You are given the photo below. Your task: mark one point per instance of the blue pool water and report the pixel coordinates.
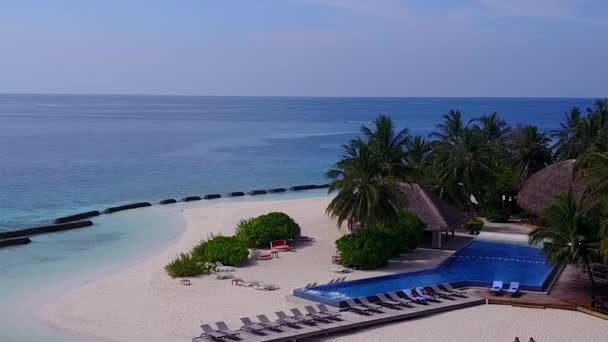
(477, 264)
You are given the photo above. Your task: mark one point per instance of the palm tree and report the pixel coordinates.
(417, 151)
(388, 146)
(492, 127)
(365, 195)
(568, 143)
(452, 128)
(464, 167)
(595, 176)
(530, 148)
(565, 236)
(599, 113)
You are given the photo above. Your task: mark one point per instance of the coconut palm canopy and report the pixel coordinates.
(437, 214)
(542, 188)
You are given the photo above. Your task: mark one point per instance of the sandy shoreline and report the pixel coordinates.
(143, 303)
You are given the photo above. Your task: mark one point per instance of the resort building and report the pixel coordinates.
(439, 216)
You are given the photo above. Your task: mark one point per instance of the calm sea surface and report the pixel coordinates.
(61, 154)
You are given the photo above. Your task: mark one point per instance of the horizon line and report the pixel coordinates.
(301, 96)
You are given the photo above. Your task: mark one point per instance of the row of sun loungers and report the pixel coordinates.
(319, 316)
(497, 288)
(265, 326)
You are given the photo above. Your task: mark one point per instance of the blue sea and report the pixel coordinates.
(62, 154)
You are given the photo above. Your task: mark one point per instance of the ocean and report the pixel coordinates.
(63, 154)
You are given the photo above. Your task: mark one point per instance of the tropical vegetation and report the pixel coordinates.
(258, 232)
(475, 164)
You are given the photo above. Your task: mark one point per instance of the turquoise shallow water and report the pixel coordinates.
(62, 154)
(55, 263)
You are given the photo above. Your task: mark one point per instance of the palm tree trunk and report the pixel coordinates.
(588, 266)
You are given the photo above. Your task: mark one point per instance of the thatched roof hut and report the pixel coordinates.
(542, 188)
(437, 214)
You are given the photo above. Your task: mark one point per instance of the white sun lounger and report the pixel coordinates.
(496, 288)
(513, 290)
(449, 289)
(416, 299)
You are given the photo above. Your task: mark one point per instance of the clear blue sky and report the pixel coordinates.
(306, 47)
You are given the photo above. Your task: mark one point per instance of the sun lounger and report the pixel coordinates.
(358, 308)
(212, 334)
(318, 318)
(373, 306)
(325, 310)
(394, 296)
(219, 267)
(392, 302)
(290, 320)
(444, 294)
(280, 245)
(416, 299)
(449, 289)
(428, 297)
(231, 334)
(314, 313)
(513, 290)
(342, 270)
(250, 326)
(379, 304)
(222, 275)
(496, 288)
(268, 324)
(262, 286)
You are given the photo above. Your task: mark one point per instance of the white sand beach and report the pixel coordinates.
(142, 303)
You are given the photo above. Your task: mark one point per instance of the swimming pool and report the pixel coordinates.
(477, 264)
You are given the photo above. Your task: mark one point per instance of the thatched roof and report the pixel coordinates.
(541, 189)
(437, 214)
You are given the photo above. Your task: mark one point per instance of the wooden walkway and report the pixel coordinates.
(352, 320)
(569, 292)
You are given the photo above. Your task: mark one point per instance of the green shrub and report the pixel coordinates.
(366, 249)
(184, 265)
(495, 215)
(405, 235)
(474, 226)
(258, 232)
(198, 251)
(228, 250)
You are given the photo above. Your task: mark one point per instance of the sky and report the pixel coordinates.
(532, 48)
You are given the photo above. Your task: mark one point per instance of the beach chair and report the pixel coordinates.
(513, 289)
(318, 318)
(394, 302)
(322, 308)
(231, 334)
(268, 324)
(287, 320)
(222, 275)
(383, 301)
(212, 334)
(416, 299)
(250, 326)
(394, 296)
(449, 289)
(262, 286)
(342, 270)
(428, 297)
(373, 306)
(219, 267)
(496, 288)
(448, 295)
(314, 313)
(435, 291)
(356, 308)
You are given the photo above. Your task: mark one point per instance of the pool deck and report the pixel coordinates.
(352, 321)
(570, 292)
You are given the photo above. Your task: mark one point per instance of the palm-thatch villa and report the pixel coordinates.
(437, 214)
(542, 188)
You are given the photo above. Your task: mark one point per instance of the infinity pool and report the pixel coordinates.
(477, 264)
